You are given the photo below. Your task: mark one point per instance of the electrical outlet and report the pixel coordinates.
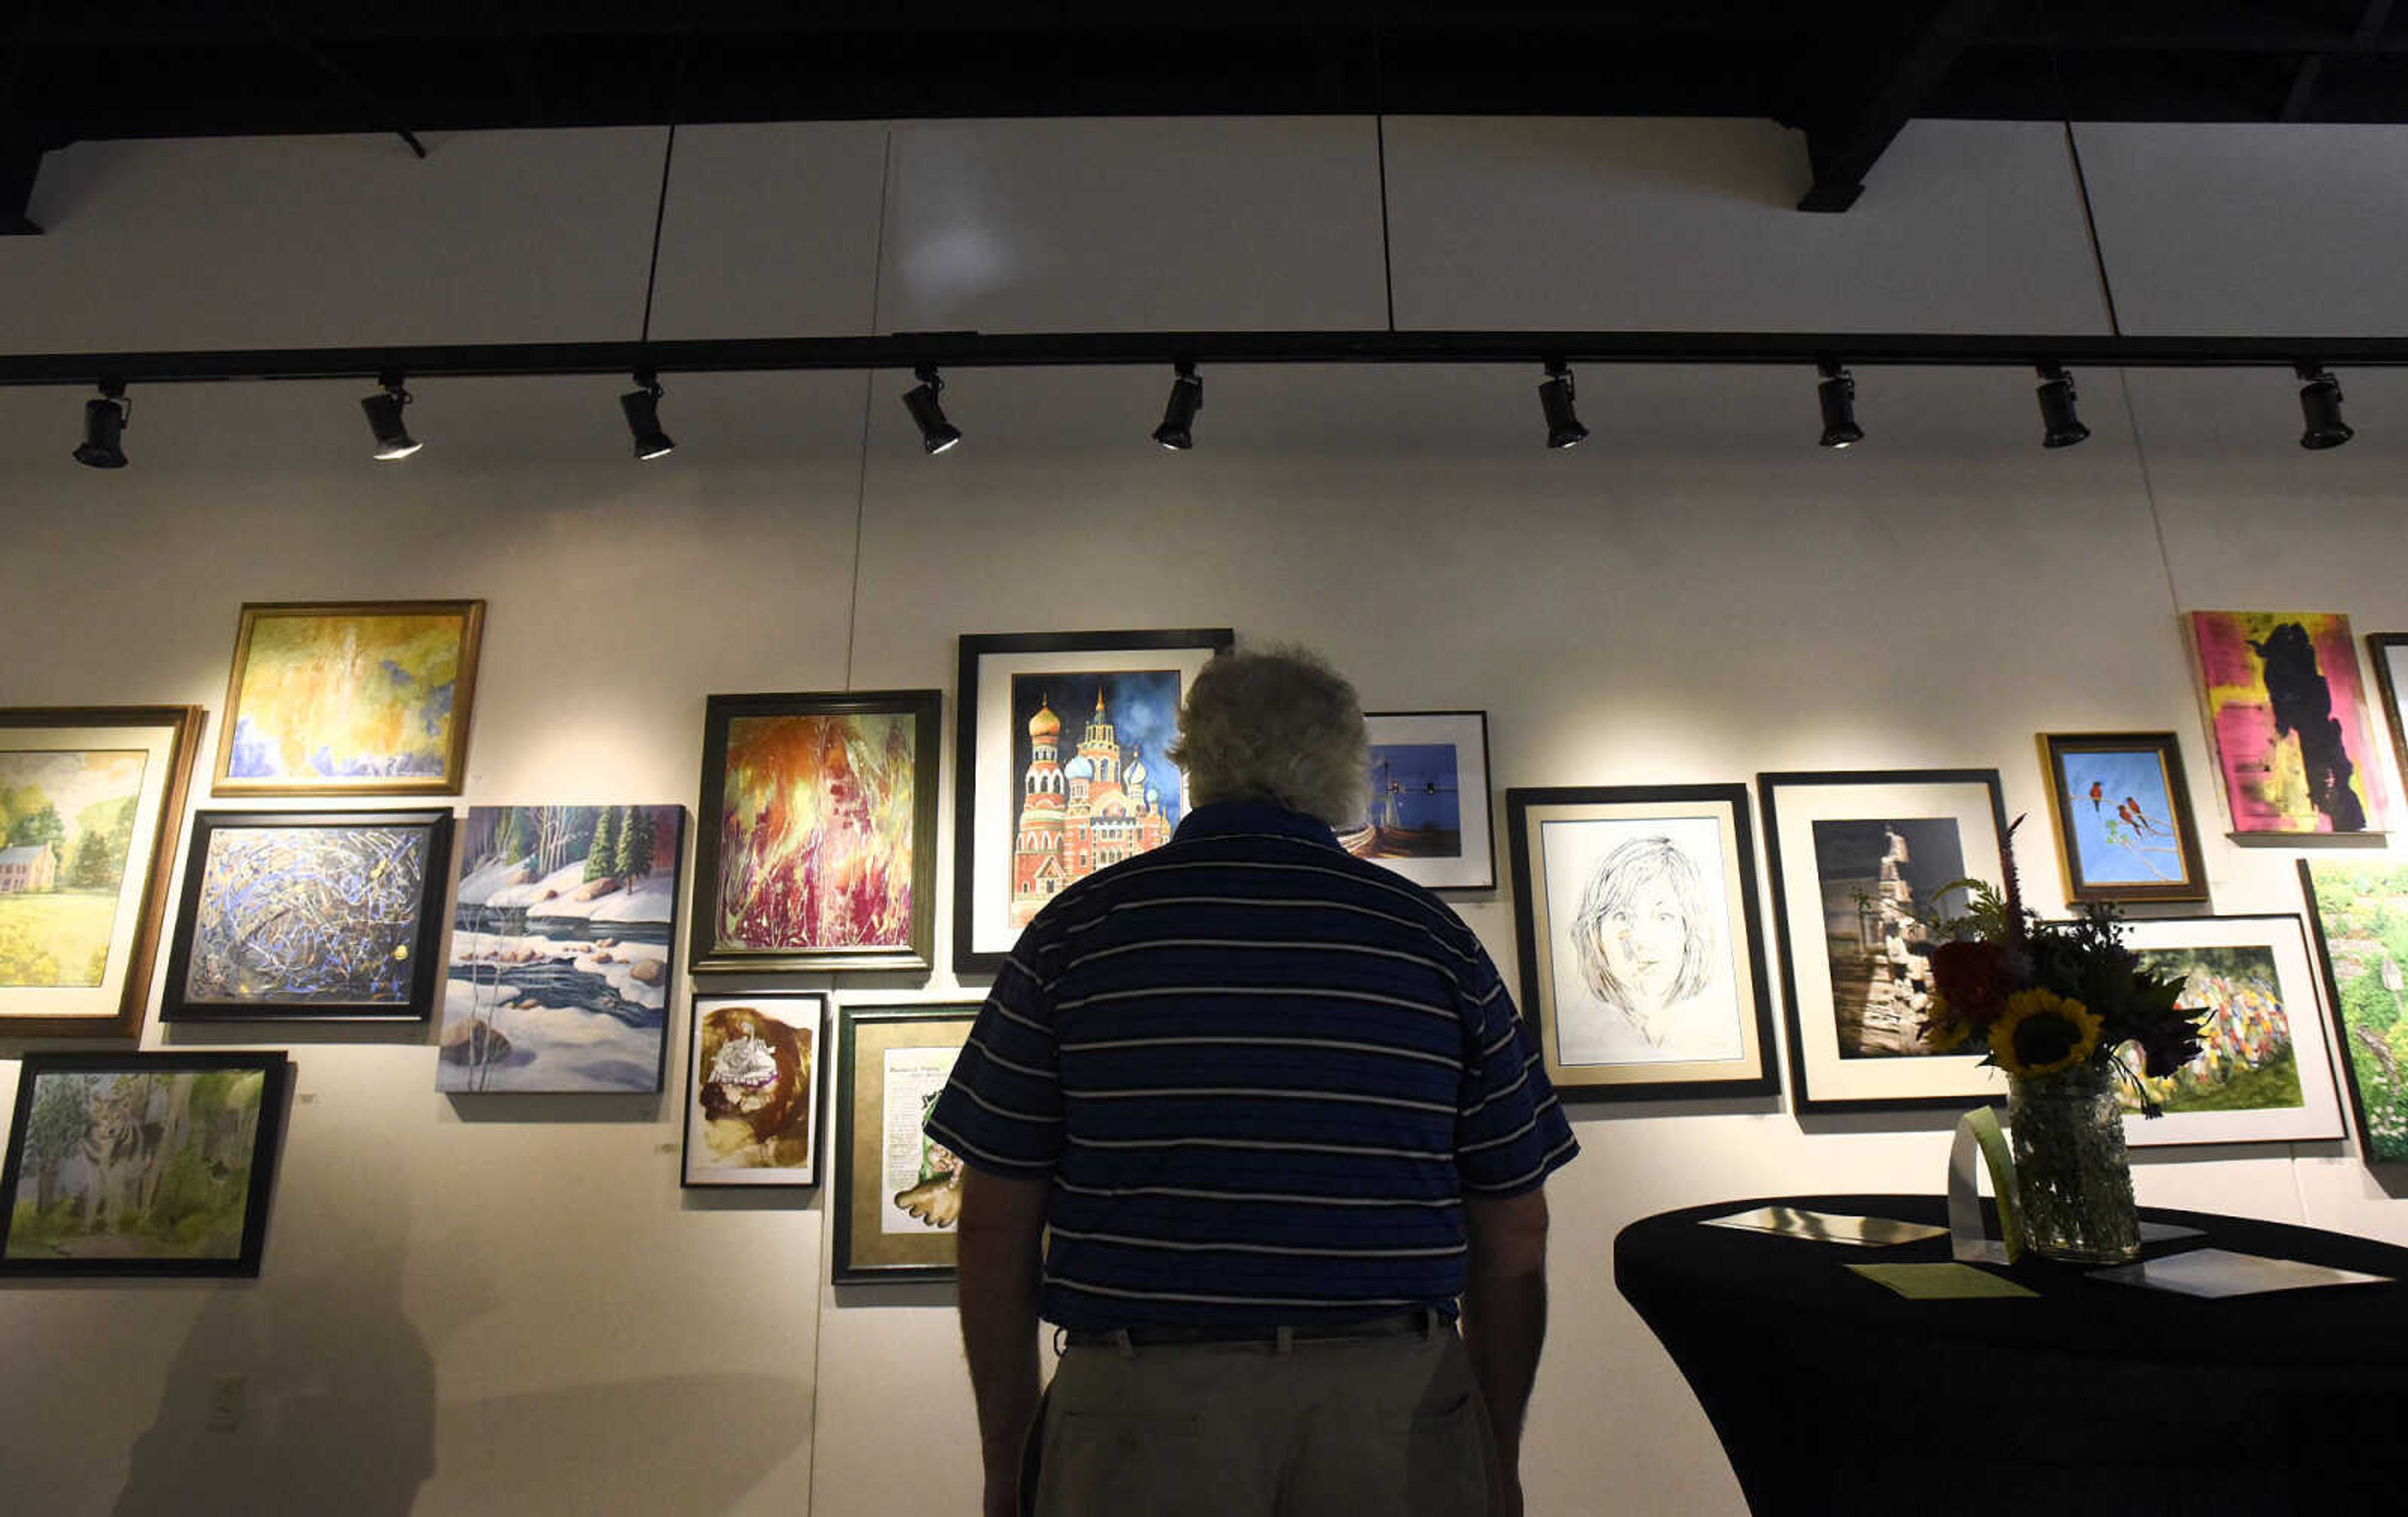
(225, 1403)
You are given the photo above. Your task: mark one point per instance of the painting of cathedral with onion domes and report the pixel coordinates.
(1095, 785)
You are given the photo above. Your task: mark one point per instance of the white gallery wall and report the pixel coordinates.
(507, 1304)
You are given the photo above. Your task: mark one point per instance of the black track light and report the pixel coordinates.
(936, 433)
(1564, 429)
(1838, 393)
(393, 440)
(2320, 402)
(2060, 426)
(1178, 429)
(104, 424)
(643, 407)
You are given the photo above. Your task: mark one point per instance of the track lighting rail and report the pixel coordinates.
(909, 350)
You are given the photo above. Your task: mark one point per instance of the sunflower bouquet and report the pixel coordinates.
(2041, 998)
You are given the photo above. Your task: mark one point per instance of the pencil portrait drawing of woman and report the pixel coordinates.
(1648, 938)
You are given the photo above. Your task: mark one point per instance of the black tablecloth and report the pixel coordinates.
(1833, 1393)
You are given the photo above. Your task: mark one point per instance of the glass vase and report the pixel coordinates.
(2071, 1173)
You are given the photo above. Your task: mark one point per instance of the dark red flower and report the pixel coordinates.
(1971, 976)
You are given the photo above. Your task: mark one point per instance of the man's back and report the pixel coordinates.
(1279, 1114)
(1264, 1049)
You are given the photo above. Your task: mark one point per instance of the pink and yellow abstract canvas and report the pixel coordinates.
(2286, 714)
(367, 697)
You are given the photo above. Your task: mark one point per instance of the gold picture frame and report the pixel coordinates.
(161, 744)
(305, 713)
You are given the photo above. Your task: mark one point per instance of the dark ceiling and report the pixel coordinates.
(1849, 75)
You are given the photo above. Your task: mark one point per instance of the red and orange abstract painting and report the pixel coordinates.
(815, 833)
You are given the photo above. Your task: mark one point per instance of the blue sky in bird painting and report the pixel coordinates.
(2117, 820)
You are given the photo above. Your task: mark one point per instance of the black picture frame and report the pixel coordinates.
(422, 944)
(134, 1132)
(1731, 914)
(2057, 748)
(706, 954)
(804, 1106)
(1971, 798)
(864, 1253)
(982, 941)
(2360, 1066)
(2381, 647)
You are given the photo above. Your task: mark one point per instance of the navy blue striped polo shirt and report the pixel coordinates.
(1261, 1074)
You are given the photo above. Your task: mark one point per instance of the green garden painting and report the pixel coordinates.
(2361, 912)
(66, 835)
(136, 1165)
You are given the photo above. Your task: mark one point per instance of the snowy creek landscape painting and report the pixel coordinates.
(561, 959)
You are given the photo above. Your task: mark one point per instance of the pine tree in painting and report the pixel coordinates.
(635, 854)
(602, 860)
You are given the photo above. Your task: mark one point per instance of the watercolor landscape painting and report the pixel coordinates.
(561, 955)
(142, 1164)
(68, 820)
(2361, 917)
(362, 698)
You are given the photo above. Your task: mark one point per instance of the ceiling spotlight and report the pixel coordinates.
(2320, 402)
(1564, 429)
(1838, 393)
(936, 433)
(2060, 427)
(384, 417)
(643, 407)
(1178, 429)
(104, 423)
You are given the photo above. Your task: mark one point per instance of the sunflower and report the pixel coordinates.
(1942, 1030)
(2042, 1032)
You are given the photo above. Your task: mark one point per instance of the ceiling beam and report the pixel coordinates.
(905, 351)
(1843, 154)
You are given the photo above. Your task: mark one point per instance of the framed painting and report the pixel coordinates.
(1860, 860)
(2122, 809)
(1429, 817)
(752, 1090)
(1642, 951)
(309, 916)
(349, 699)
(2286, 714)
(559, 974)
(2389, 652)
(90, 798)
(141, 1164)
(2264, 1072)
(898, 1194)
(1062, 767)
(818, 843)
(2360, 912)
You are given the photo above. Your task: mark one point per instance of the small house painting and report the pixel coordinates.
(31, 867)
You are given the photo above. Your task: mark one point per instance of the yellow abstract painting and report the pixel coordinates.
(368, 697)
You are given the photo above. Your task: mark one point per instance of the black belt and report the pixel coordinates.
(1165, 1335)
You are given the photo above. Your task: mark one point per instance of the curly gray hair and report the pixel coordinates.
(1281, 724)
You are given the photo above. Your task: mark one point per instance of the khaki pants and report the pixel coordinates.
(1355, 1427)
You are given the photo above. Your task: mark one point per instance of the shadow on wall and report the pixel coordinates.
(336, 1407)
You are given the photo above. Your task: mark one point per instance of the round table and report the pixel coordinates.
(1832, 1394)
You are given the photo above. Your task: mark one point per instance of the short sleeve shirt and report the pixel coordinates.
(1261, 1075)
